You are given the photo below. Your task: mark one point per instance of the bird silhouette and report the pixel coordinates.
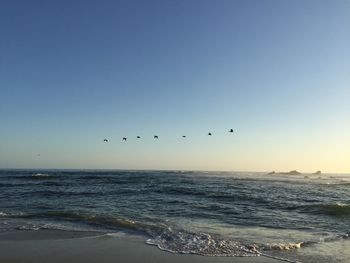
(156, 137)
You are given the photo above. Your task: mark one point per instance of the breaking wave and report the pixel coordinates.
(2, 214)
(335, 209)
(200, 244)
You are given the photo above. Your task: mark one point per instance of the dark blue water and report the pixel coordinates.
(207, 213)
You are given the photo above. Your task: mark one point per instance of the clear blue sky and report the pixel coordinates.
(75, 72)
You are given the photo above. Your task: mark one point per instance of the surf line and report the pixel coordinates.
(278, 258)
(258, 253)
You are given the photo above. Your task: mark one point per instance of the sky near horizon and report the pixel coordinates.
(75, 72)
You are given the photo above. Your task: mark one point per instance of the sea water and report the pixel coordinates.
(304, 218)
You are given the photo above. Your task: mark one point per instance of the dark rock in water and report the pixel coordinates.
(318, 172)
(273, 172)
(293, 172)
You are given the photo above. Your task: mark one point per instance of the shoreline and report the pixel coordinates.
(67, 246)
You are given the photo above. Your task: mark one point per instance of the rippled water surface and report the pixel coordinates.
(302, 217)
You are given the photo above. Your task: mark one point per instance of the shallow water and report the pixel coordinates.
(302, 217)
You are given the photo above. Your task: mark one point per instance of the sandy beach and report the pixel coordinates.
(63, 246)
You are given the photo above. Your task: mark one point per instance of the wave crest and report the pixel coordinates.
(337, 209)
(334, 209)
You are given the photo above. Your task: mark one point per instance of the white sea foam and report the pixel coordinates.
(200, 244)
(288, 246)
(3, 214)
(28, 227)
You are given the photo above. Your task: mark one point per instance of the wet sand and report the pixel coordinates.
(62, 246)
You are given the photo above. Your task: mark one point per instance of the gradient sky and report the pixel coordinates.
(75, 72)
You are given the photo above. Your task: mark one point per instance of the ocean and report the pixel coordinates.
(303, 218)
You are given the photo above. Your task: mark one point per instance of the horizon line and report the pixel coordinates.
(172, 170)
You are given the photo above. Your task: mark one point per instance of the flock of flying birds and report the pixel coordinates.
(156, 136)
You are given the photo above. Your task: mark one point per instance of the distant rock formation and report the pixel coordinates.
(293, 172)
(318, 172)
(270, 173)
